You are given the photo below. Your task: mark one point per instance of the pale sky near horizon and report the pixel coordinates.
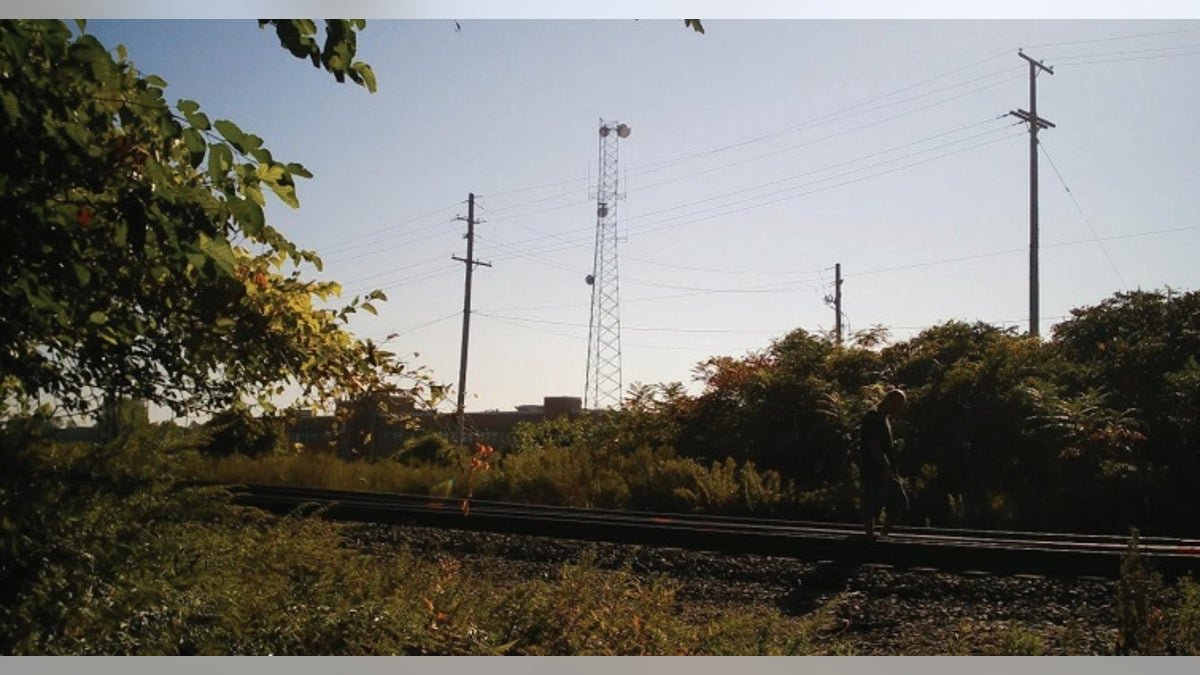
(762, 153)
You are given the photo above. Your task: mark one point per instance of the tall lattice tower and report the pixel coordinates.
(603, 388)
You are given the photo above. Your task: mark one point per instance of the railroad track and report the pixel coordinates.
(1005, 552)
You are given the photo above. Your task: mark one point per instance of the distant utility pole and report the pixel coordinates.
(1035, 123)
(466, 331)
(836, 301)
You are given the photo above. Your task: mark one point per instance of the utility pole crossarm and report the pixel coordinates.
(1031, 119)
(479, 263)
(1035, 64)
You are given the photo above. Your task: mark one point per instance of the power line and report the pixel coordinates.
(666, 223)
(408, 281)
(648, 329)
(1062, 59)
(807, 143)
(398, 332)
(823, 139)
(531, 202)
(827, 118)
(835, 165)
(1011, 251)
(1084, 217)
(1113, 38)
(408, 268)
(837, 115)
(351, 244)
(711, 270)
(396, 245)
(1125, 60)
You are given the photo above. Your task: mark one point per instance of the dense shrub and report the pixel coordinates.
(237, 431)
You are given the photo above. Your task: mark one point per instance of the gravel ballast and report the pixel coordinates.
(872, 609)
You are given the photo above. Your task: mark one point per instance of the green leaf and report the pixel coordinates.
(12, 107)
(298, 170)
(169, 128)
(195, 145)
(83, 274)
(286, 194)
(249, 215)
(253, 190)
(368, 76)
(370, 308)
(270, 173)
(197, 119)
(219, 252)
(156, 81)
(220, 160)
(81, 24)
(98, 318)
(187, 107)
(262, 155)
(232, 133)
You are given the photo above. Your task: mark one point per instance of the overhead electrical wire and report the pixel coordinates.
(754, 202)
(1127, 59)
(1112, 38)
(630, 229)
(842, 114)
(1087, 222)
(398, 332)
(383, 233)
(832, 116)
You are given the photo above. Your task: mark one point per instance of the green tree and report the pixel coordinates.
(137, 259)
(791, 408)
(1140, 349)
(972, 391)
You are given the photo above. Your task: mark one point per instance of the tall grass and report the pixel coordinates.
(103, 552)
(640, 478)
(1152, 617)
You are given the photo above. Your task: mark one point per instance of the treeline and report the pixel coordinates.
(1095, 429)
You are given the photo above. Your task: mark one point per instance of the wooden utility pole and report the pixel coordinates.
(1035, 123)
(837, 300)
(466, 330)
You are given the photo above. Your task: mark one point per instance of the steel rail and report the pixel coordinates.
(951, 549)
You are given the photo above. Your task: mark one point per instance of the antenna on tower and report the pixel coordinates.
(603, 387)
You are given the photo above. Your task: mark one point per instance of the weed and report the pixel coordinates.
(1017, 641)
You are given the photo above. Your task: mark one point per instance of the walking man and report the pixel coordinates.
(882, 487)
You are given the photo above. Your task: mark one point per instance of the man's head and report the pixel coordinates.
(893, 402)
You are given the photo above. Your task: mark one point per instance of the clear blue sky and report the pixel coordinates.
(762, 153)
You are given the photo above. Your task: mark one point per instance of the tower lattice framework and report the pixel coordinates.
(603, 388)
